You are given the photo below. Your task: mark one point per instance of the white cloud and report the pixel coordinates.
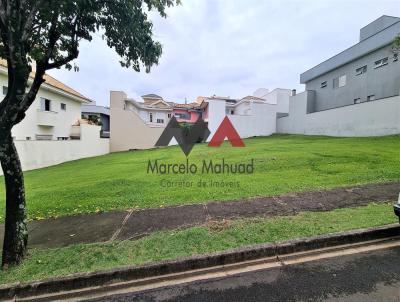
(230, 47)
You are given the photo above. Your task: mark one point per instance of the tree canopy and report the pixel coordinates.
(49, 31)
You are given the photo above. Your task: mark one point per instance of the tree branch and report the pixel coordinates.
(2, 13)
(28, 23)
(29, 97)
(73, 49)
(63, 61)
(53, 37)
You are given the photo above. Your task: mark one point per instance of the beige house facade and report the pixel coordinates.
(136, 125)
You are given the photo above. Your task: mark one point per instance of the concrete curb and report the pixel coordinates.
(107, 277)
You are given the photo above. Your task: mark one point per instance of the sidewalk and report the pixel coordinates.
(133, 224)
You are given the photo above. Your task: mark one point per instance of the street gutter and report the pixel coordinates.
(74, 286)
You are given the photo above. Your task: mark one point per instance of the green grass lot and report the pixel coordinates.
(209, 238)
(283, 163)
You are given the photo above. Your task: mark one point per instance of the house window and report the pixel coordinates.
(5, 90)
(381, 62)
(357, 101)
(183, 116)
(169, 115)
(28, 138)
(44, 137)
(324, 84)
(151, 117)
(340, 81)
(371, 97)
(361, 70)
(45, 104)
(62, 138)
(63, 106)
(160, 121)
(335, 83)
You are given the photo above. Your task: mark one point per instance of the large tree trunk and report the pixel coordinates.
(16, 231)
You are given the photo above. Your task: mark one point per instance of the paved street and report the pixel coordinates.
(370, 276)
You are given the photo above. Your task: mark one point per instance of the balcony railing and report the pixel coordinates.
(104, 134)
(75, 132)
(46, 118)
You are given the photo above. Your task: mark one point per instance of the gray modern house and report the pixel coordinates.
(100, 113)
(355, 93)
(367, 71)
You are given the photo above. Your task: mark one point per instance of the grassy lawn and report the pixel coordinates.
(283, 163)
(196, 240)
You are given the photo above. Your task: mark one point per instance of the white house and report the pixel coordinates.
(153, 110)
(252, 115)
(51, 131)
(52, 114)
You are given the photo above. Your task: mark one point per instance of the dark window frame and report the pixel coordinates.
(361, 70)
(183, 116)
(47, 105)
(382, 62)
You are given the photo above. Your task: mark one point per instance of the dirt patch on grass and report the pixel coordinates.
(292, 204)
(218, 225)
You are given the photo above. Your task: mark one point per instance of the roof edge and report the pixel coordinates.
(313, 72)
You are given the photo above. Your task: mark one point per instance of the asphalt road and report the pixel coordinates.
(371, 276)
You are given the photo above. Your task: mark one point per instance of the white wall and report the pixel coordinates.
(376, 118)
(294, 123)
(279, 97)
(216, 113)
(38, 154)
(244, 108)
(261, 123)
(63, 119)
(283, 100)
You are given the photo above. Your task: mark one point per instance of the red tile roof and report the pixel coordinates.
(54, 83)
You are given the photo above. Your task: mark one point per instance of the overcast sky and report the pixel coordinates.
(230, 47)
